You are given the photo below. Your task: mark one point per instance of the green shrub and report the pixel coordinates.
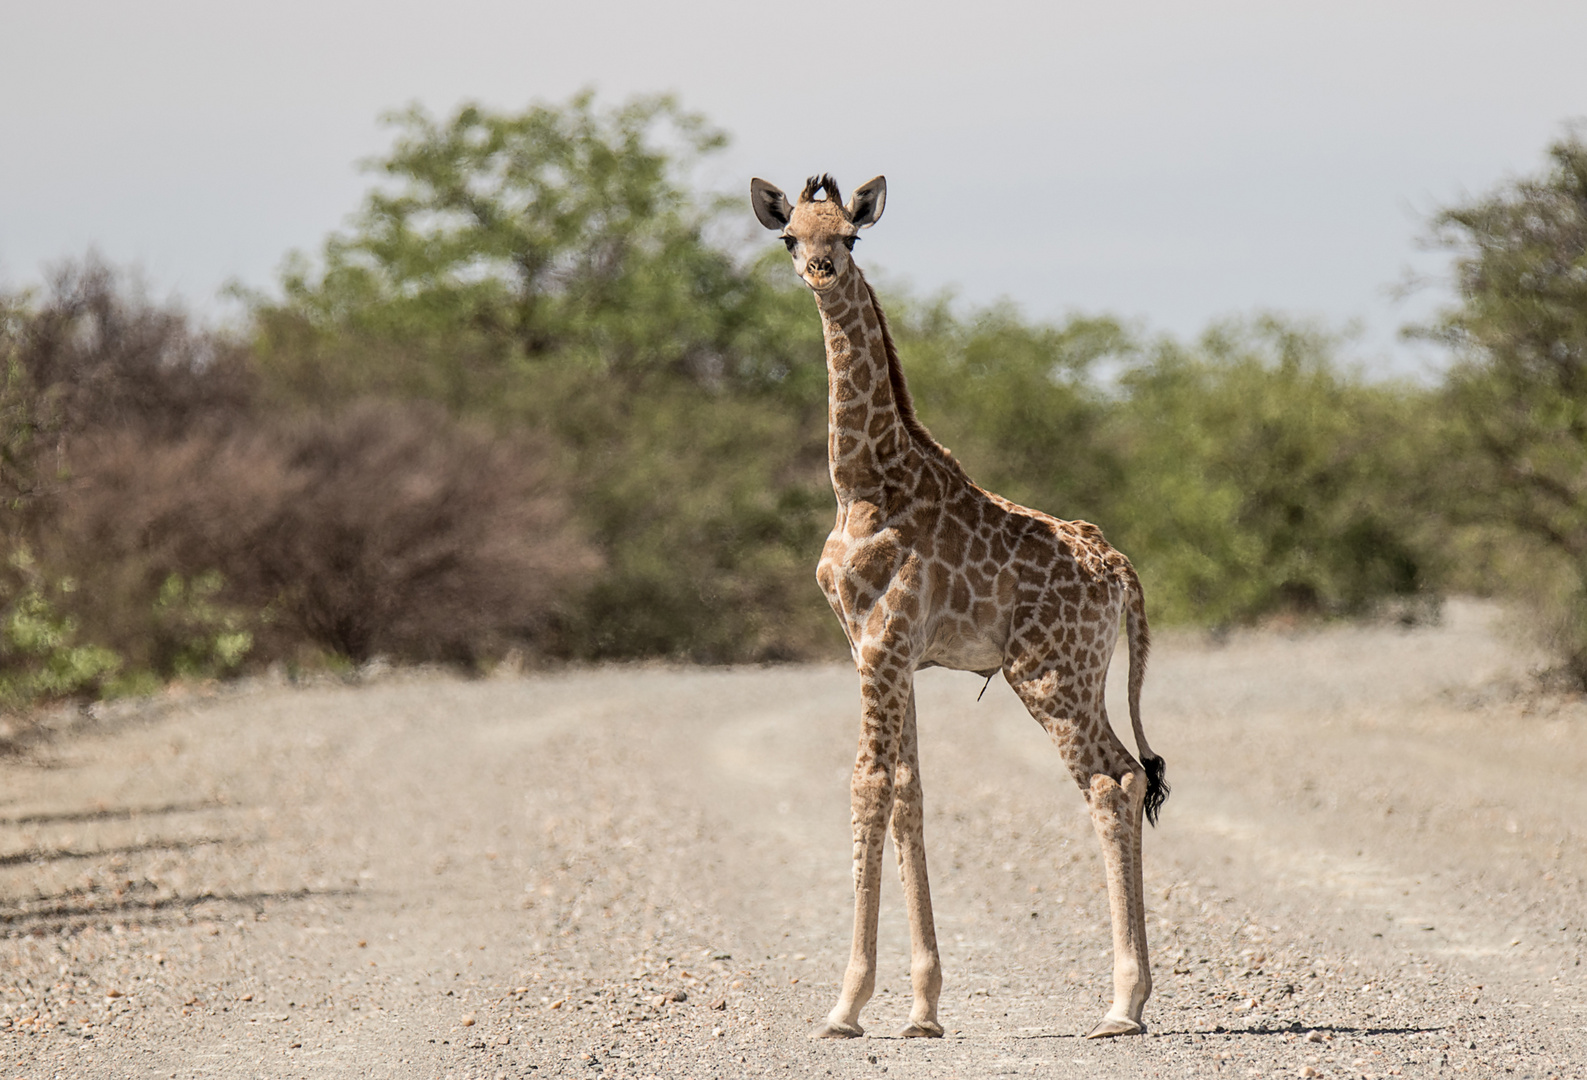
(41, 658)
(1021, 405)
(1260, 476)
(711, 510)
(201, 636)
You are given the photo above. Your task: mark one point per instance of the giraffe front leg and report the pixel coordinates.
(1116, 816)
(908, 829)
(871, 800)
(871, 796)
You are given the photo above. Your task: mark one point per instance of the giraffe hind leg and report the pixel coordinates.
(1116, 787)
(1116, 811)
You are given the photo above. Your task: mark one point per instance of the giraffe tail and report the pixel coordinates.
(1140, 643)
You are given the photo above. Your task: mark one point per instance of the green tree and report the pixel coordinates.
(1519, 335)
(559, 234)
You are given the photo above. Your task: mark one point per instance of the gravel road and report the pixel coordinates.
(1373, 864)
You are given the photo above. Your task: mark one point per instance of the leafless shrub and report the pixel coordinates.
(101, 356)
(382, 529)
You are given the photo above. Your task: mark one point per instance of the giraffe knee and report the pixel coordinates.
(1126, 787)
(1110, 802)
(907, 790)
(1133, 786)
(907, 822)
(1102, 789)
(871, 798)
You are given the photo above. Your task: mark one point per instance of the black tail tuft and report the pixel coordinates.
(1157, 788)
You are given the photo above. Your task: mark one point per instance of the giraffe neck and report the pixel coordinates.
(868, 415)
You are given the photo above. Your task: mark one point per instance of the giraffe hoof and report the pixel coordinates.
(921, 1029)
(1112, 1027)
(834, 1030)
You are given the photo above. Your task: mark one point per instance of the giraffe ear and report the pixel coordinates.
(865, 205)
(771, 205)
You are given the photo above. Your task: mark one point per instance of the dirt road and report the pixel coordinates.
(1373, 863)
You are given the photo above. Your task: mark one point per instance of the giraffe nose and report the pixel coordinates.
(819, 267)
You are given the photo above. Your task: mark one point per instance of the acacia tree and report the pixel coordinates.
(559, 233)
(1520, 381)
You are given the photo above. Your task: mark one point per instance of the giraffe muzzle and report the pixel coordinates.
(821, 267)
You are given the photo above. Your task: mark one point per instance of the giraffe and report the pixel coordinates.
(924, 569)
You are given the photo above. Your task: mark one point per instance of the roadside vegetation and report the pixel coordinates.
(528, 405)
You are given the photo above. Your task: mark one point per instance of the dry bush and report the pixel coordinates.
(383, 529)
(93, 354)
(98, 355)
(180, 523)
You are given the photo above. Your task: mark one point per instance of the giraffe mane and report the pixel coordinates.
(819, 183)
(902, 399)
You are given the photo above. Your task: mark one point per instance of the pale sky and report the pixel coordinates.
(1171, 163)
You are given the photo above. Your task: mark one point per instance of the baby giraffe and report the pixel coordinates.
(924, 569)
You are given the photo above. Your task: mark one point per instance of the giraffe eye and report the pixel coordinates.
(848, 242)
(789, 242)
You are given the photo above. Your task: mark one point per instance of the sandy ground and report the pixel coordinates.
(1373, 864)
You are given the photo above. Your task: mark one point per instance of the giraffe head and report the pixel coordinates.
(819, 233)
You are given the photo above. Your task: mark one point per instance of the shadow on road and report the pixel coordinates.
(1256, 1029)
(69, 912)
(121, 813)
(41, 855)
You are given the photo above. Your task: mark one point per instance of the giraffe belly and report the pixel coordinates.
(964, 648)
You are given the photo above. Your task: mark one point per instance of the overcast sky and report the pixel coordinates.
(1168, 162)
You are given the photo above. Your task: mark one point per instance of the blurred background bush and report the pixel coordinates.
(528, 405)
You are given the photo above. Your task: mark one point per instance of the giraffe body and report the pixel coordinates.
(924, 568)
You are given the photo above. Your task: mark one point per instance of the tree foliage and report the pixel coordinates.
(1263, 476)
(530, 398)
(558, 234)
(1020, 404)
(1520, 384)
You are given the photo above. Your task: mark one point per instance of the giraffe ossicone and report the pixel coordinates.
(924, 569)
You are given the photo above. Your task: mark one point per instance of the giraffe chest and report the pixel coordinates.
(886, 587)
(859, 572)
